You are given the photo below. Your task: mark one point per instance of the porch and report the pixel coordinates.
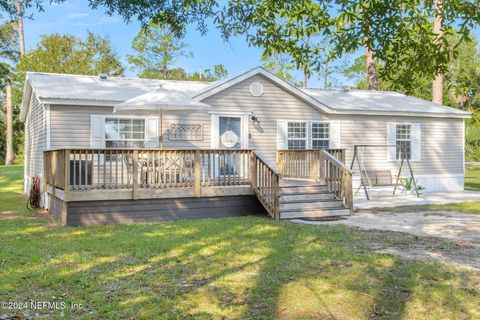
(202, 182)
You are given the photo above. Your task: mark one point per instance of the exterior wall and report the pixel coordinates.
(35, 141)
(70, 126)
(440, 168)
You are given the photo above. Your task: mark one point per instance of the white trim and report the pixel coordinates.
(47, 124)
(215, 127)
(80, 102)
(230, 113)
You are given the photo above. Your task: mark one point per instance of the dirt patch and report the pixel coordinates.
(12, 215)
(461, 253)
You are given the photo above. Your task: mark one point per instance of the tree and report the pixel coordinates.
(437, 84)
(69, 54)
(156, 51)
(384, 28)
(8, 56)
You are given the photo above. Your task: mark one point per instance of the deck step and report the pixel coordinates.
(331, 212)
(303, 189)
(309, 205)
(293, 197)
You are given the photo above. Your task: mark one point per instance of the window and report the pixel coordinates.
(320, 135)
(403, 141)
(297, 135)
(124, 133)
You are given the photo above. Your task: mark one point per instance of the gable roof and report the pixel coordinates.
(69, 89)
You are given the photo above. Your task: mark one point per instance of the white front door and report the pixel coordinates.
(229, 131)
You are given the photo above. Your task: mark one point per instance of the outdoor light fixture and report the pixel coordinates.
(255, 119)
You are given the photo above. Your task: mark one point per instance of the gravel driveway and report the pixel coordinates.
(461, 231)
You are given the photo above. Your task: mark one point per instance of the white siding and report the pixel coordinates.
(35, 140)
(70, 126)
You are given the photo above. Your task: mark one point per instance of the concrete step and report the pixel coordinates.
(294, 197)
(331, 212)
(309, 205)
(303, 189)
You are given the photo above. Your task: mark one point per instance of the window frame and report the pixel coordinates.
(409, 140)
(126, 117)
(306, 139)
(328, 123)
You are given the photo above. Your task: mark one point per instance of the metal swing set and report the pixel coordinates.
(381, 178)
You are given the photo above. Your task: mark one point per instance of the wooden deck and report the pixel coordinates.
(95, 179)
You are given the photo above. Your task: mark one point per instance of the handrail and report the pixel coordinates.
(265, 182)
(304, 163)
(338, 179)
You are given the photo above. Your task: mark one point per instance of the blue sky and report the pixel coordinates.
(75, 17)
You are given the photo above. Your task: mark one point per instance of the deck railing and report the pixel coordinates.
(90, 169)
(338, 178)
(136, 169)
(304, 163)
(266, 184)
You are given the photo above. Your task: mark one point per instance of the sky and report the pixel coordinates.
(76, 17)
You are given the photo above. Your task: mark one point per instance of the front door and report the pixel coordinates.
(229, 137)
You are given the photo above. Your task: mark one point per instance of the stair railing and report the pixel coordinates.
(265, 183)
(338, 178)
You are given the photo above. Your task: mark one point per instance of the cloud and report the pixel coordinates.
(76, 15)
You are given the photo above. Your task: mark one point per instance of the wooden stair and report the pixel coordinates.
(308, 199)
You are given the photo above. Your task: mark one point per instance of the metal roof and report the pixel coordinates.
(377, 101)
(79, 87)
(53, 88)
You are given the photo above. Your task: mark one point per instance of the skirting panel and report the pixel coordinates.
(429, 183)
(149, 210)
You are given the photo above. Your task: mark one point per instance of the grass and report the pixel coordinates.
(472, 178)
(472, 183)
(232, 268)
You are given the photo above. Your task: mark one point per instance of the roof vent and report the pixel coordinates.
(103, 76)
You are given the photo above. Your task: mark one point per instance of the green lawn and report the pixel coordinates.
(472, 178)
(232, 268)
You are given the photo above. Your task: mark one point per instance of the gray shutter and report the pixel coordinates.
(97, 131)
(282, 138)
(335, 134)
(151, 132)
(416, 142)
(391, 141)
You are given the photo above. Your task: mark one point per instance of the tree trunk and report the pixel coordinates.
(21, 35)
(305, 80)
(437, 84)
(372, 75)
(9, 120)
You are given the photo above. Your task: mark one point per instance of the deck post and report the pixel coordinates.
(53, 172)
(252, 171)
(67, 174)
(46, 155)
(196, 174)
(135, 174)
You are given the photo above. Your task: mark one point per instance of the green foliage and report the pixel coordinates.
(386, 27)
(69, 54)
(156, 51)
(62, 54)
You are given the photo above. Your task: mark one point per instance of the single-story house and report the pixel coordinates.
(234, 155)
